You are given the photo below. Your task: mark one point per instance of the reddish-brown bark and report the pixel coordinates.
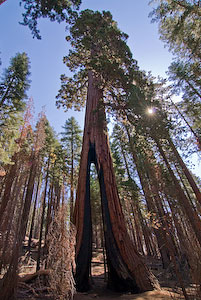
(149, 197)
(2, 1)
(72, 181)
(9, 281)
(33, 215)
(182, 198)
(125, 266)
(8, 188)
(186, 171)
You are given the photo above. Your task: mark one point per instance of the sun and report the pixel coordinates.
(150, 110)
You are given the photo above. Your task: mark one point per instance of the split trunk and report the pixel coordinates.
(126, 269)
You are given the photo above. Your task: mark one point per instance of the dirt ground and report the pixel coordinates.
(99, 290)
(99, 284)
(106, 295)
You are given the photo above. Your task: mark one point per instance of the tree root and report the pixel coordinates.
(29, 277)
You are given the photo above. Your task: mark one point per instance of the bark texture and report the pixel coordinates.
(9, 281)
(126, 269)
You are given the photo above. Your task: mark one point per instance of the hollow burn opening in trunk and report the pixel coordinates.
(118, 275)
(98, 262)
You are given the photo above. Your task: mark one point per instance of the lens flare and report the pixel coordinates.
(150, 110)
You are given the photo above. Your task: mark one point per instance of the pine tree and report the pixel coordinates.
(13, 87)
(179, 28)
(71, 139)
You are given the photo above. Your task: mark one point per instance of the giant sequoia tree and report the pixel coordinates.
(105, 70)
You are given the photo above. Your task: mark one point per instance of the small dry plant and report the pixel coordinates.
(60, 258)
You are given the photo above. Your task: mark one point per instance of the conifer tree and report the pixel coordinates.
(179, 28)
(71, 139)
(105, 70)
(14, 84)
(13, 87)
(10, 278)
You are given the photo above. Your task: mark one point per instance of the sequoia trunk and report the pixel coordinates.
(126, 269)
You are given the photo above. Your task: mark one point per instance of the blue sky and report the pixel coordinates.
(46, 55)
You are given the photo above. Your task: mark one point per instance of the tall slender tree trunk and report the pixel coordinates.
(137, 209)
(184, 202)
(8, 223)
(11, 206)
(49, 210)
(63, 192)
(190, 127)
(185, 186)
(9, 280)
(186, 171)
(126, 269)
(8, 188)
(72, 181)
(43, 216)
(192, 87)
(151, 251)
(155, 188)
(33, 215)
(58, 195)
(137, 240)
(150, 204)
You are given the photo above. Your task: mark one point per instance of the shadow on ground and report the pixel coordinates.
(99, 291)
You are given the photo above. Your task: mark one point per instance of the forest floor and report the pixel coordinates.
(169, 287)
(99, 286)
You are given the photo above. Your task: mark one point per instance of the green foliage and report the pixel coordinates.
(186, 79)
(71, 142)
(55, 10)
(98, 46)
(150, 95)
(13, 87)
(179, 26)
(117, 158)
(51, 151)
(14, 84)
(50, 138)
(95, 197)
(71, 136)
(59, 163)
(123, 165)
(180, 29)
(9, 133)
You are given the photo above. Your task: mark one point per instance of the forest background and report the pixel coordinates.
(36, 166)
(46, 55)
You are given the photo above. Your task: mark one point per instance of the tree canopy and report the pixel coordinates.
(179, 26)
(97, 45)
